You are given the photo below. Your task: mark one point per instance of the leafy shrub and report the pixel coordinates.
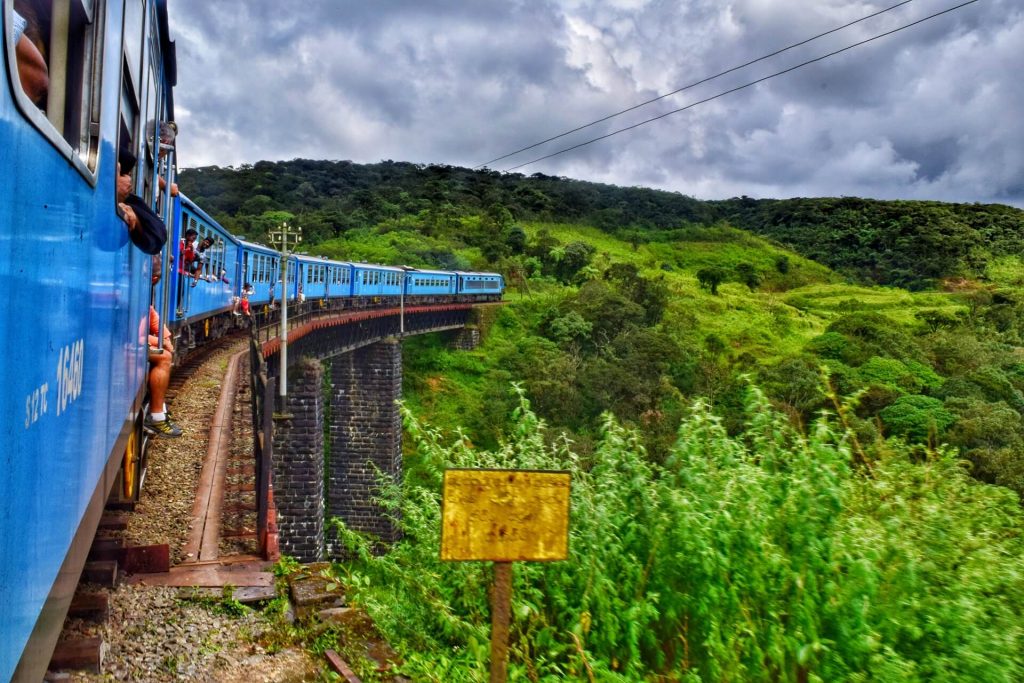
(916, 417)
(761, 557)
(877, 335)
(889, 372)
(834, 345)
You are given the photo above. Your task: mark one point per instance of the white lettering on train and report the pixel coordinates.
(36, 405)
(70, 373)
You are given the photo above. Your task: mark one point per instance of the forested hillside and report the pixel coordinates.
(636, 301)
(903, 243)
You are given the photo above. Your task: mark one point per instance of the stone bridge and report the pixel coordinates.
(339, 429)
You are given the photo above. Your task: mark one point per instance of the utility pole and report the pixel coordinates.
(282, 238)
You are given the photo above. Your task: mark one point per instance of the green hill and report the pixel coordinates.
(635, 301)
(904, 243)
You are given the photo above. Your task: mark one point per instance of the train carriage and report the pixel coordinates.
(201, 291)
(376, 281)
(487, 286)
(77, 291)
(260, 268)
(429, 282)
(312, 276)
(339, 279)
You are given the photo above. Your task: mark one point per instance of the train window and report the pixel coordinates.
(54, 52)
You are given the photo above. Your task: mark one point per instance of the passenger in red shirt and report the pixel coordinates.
(187, 251)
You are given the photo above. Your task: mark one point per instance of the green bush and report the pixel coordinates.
(918, 418)
(766, 556)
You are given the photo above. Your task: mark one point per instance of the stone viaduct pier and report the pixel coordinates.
(339, 430)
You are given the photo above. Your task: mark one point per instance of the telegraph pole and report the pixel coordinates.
(281, 239)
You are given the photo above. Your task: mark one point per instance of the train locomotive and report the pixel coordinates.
(78, 292)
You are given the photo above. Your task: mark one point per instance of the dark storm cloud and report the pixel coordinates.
(931, 112)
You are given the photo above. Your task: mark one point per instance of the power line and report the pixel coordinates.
(744, 86)
(696, 83)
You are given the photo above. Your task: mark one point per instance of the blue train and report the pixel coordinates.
(84, 82)
(203, 296)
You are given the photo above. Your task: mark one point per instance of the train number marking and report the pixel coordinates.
(70, 372)
(36, 405)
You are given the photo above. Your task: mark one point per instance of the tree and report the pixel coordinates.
(516, 239)
(710, 278)
(575, 255)
(936, 318)
(918, 418)
(748, 275)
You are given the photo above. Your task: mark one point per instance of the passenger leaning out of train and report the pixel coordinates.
(198, 258)
(240, 304)
(168, 133)
(158, 421)
(146, 230)
(32, 69)
(187, 252)
(273, 293)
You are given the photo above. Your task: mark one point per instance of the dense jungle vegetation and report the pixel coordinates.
(790, 422)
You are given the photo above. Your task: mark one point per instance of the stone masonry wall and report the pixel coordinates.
(466, 339)
(299, 464)
(365, 436)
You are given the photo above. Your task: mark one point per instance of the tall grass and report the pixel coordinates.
(766, 556)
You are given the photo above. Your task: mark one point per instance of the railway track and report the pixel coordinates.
(194, 359)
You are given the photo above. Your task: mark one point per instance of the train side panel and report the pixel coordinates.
(260, 269)
(373, 281)
(76, 302)
(429, 282)
(208, 289)
(313, 277)
(480, 283)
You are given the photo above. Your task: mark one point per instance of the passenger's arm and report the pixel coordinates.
(32, 71)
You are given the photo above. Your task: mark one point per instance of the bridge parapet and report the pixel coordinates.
(298, 464)
(359, 417)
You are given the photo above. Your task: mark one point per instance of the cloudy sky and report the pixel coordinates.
(932, 112)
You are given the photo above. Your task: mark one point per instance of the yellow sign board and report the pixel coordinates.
(505, 515)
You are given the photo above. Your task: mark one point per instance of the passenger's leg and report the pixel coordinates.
(159, 379)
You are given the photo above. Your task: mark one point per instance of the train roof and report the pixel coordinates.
(470, 272)
(255, 246)
(376, 266)
(427, 271)
(309, 258)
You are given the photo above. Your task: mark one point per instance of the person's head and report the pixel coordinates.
(191, 234)
(125, 165)
(168, 132)
(206, 243)
(123, 185)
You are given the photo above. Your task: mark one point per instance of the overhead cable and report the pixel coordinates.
(696, 83)
(742, 87)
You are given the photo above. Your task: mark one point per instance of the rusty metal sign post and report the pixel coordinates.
(504, 516)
